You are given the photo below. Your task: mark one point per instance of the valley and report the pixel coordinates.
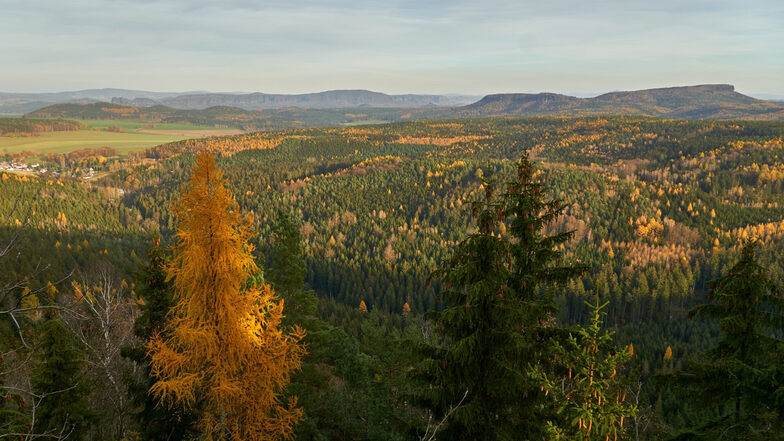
(658, 209)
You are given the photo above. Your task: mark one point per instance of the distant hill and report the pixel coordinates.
(19, 103)
(521, 104)
(332, 99)
(32, 127)
(335, 107)
(136, 102)
(711, 101)
(690, 102)
(220, 116)
(87, 94)
(214, 116)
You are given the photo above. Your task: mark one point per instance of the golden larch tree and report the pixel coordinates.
(223, 351)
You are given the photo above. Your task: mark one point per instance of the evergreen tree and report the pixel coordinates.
(223, 348)
(156, 298)
(589, 394)
(536, 269)
(496, 322)
(13, 417)
(286, 270)
(57, 379)
(741, 379)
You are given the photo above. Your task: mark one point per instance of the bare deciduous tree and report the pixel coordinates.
(433, 427)
(104, 325)
(33, 432)
(19, 299)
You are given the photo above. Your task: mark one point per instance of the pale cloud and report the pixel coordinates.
(391, 46)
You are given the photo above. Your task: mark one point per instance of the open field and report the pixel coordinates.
(130, 125)
(194, 133)
(137, 135)
(63, 142)
(365, 123)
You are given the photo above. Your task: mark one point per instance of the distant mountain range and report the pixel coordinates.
(709, 101)
(263, 111)
(19, 103)
(332, 99)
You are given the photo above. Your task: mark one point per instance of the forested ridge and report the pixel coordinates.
(32, 127)
(338, 108)
(655, 210)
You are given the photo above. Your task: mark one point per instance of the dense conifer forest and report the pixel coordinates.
(501, 278)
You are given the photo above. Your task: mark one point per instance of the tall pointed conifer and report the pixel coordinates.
(588, 394)
(495, 316)
(741, 379)
(223, 347)
(286, 270)
(58, 378)
(156, 298)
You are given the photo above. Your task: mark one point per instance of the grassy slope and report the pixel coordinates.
(129, 125)
(62, 142)
(96, 136)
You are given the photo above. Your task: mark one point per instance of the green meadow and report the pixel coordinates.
(100, 124)
(63, 142)
(95, 135)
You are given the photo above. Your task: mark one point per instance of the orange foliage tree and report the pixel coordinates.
(223, 352)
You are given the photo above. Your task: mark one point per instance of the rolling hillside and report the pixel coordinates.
(719, 101)
(321, 100)
(214, 117)
(690, 102)
(19, 103)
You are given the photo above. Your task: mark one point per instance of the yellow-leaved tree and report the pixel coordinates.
(223, 352)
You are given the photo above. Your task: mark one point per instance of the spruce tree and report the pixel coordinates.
(497, 322)
(156, 298)
(286, 271)
(58, 381)
(537, 267)
(588, 392)
(741, 379)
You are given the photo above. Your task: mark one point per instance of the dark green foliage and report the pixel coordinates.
(475, 372)
(741, 379)
(59, 385)
(286, 270)
(496, 321)
(609, 172)
(156, 422)
(340, 386)
(31, 127)
(353, 387)
(14, 420)
(536, 260)
(588, 392)
(332, 178)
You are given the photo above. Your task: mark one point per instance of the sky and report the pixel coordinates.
(581, 47)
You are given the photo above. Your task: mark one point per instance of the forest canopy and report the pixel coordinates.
(347, 226)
